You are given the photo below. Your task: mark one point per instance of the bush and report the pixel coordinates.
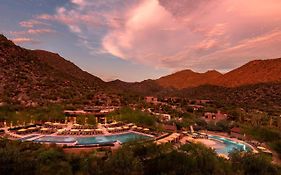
(134, 116)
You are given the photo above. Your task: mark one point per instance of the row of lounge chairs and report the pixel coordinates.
(80, 132)
(143, 130)
(54, 125)
(118, 129)
(114, 124)
(173, 138)
(30, 130)
(77, 126)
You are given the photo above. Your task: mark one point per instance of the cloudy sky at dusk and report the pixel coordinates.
(133, 40)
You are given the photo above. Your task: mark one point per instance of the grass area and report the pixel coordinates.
(271, 136)
(45, 113)
(86, 119)
(133, 116)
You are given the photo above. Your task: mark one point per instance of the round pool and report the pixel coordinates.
(225, 146)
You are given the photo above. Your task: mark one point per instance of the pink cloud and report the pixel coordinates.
(79, 2)
(170, 35)
(44, 17)
(75, 20)
(202, 34)
(32, 32)
(40, 31)
(31, 23)
(24, 40)
(260, 47)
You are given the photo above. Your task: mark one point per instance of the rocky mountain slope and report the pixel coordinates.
(263, 96)
(188, 78)
(254, 72)
(35, 77)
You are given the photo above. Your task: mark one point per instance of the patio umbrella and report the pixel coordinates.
(31, 128)
(99, 130)
(44, 129)
(21, 130)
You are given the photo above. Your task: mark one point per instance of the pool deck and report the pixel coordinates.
(97, 135)
(224, 135)
(212, 142)
(75, 143)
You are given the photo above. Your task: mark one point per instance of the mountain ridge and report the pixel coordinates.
(30, 79)
(188, 78)
(36, 77)
(253, 72)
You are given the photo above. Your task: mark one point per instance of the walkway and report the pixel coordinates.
(10, 133)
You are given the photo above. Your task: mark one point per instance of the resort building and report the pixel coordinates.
(210, 116)
(98, 112)
(196, 107)
(169, 127)
(202, 101)
(151, 99)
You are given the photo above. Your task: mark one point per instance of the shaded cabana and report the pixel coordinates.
(74, 131)
(111, 130)
(139, 128)
(173, 138)
(61, 131)
(126, 127)
(22, 131)
(88, 131)
(32, 129)
(98, 131)
(119, 129)
(46, 130)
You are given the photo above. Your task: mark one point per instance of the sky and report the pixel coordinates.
(134, 40)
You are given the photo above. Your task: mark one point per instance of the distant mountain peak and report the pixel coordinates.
(5, 41)
(254, 72)
(2, 37)
(188, 78)
(212, 72)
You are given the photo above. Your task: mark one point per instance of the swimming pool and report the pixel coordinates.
(28, 137)
(124, 137)
(56, 139)
(226, 146)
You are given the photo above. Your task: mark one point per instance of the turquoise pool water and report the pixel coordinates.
(56, 139)
(124, 137)
(28, 137)
(225, 146)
